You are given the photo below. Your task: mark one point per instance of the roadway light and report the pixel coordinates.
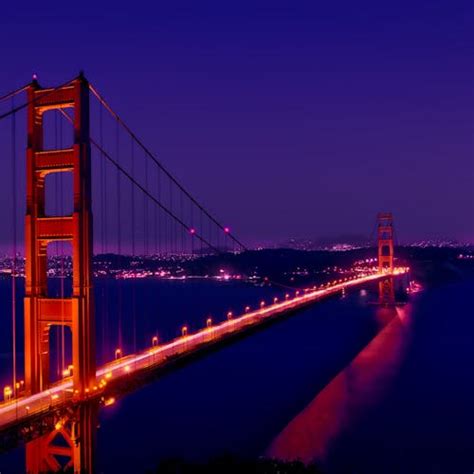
(184, 331)
(247, 309)
(275, 300)
(154, 341)
(262, 304)
(7, 393)
(229, 315)
(297, 293)
(287, 296)
(118, 353)
(209, 322)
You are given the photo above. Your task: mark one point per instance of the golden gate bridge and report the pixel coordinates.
(123, 202)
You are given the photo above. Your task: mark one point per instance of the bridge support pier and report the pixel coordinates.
(70, 446)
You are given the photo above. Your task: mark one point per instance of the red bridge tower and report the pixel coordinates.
(42, 311)
(385, 256)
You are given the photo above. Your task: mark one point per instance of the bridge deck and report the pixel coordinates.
(20, 410)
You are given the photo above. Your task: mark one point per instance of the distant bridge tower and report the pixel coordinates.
(42, 311)
(385, 256)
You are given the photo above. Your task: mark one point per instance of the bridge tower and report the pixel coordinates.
(385, 256)
(41, 311)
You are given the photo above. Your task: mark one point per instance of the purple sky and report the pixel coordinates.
(285, 118)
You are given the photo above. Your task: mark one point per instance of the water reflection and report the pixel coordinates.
(70, 446)
(309, 435)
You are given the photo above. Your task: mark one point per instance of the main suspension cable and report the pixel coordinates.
(160, 165)
(145, 191)
(47, 93)
(14, 93)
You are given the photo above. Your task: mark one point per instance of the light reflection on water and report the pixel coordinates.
(309, 435)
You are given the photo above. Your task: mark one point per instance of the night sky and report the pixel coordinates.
(287, 119)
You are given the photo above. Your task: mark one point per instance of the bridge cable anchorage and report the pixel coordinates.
(33, 101)
(165, 209)
(105, 104)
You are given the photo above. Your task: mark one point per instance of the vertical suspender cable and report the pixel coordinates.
(63, 275)
(192, 227)
(155, 232)
(134, 301)
(119, 238)
(13, 177)
(57, 266)
(171, 223)
(145, 211)
(102, 226)
(160, 224)
(183, 218)
(201, 228)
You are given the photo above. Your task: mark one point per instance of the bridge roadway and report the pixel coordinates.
(60, 394)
